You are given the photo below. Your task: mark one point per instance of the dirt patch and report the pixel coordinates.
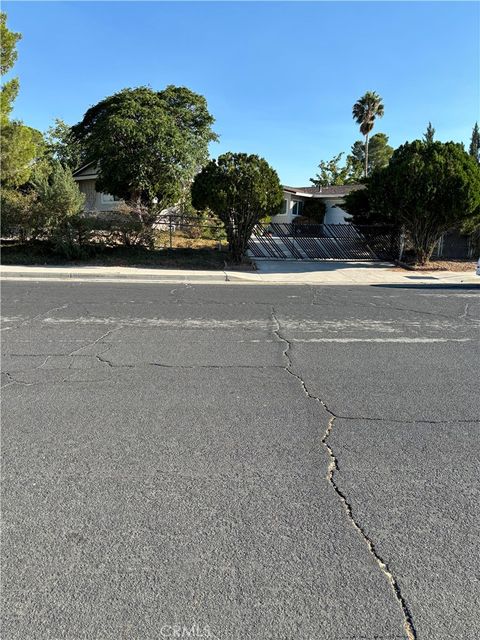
(440, 265)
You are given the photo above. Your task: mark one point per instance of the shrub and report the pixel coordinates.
(58, 197)
(17, 208)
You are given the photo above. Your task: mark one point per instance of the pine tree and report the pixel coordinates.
(429, 134)
(474, 149)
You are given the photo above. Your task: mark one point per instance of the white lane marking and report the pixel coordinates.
(305, 325)
(168, 323)
(382, 340)
(452, 295)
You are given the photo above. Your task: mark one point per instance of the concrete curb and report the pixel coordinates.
(90, 275)
(178, 276)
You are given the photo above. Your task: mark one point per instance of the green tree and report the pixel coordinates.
(21, 148)
(357, 204)
(379, 154)
(62, 146)
(331, 173)
(58, 203)
(8, 45)
(427, 188)
(20, 145)
(148, 144)
(429, 134)
(474, 148)
(240, 189)
(364, 112)
(313, 211)
(17, 207)
(8, 56)
(58, 196)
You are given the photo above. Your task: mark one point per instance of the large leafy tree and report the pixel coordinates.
(427, 188)
(365, 110)
(148, 144)
(331, 173)
(240, 189)
(379, 153)
(474, 148)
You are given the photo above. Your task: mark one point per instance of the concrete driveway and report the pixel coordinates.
(317, 272)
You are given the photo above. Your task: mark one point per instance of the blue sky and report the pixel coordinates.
(280, 78)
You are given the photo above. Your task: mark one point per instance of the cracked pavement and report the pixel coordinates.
(266, 462)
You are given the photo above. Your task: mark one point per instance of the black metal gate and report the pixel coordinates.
(324, 242)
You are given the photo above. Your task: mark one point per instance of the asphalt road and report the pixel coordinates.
(240, 462)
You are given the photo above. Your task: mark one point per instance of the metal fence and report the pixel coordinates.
(454, 245)
(324, 242)
(176, 229)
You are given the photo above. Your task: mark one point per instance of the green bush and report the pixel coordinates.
(17, 212)
(58, 198)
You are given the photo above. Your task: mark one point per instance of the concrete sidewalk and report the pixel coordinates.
(267, 272)
(350, 273)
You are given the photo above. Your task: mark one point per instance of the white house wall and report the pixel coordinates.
(93, 199)
(286, 215)
(334, 214)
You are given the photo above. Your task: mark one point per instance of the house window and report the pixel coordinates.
(284, 208)
(106, 198)
(297, 208)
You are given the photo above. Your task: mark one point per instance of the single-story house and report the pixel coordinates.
(294, 199)
(86, 177)
(98, 202)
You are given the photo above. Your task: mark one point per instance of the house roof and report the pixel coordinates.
(81, 171)
(337, 190)
(89, 170)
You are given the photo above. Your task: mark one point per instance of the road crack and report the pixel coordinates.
(94, 342)
(333, 467)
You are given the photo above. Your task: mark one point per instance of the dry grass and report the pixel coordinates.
(181, 240)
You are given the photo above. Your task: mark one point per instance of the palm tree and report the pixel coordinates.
(364, 112)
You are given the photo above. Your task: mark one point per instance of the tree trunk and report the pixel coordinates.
(424, 243)
(366, 155)
(236, 249)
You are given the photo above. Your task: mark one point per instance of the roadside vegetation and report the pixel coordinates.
(44, 253)
(148, 147)
(426, 189)
(151, 151)
(422, 189)
(241, 190)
